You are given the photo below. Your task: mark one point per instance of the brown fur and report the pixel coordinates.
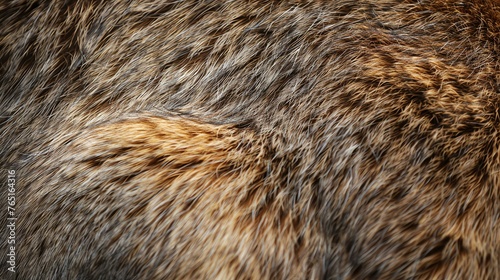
(252, 140)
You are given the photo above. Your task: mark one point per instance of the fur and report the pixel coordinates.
(252, 139)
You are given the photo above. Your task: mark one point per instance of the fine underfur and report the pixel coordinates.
(252, 139)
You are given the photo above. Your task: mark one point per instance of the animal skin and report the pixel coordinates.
(241, 139)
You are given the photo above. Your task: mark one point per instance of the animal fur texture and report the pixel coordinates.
(252, 139)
